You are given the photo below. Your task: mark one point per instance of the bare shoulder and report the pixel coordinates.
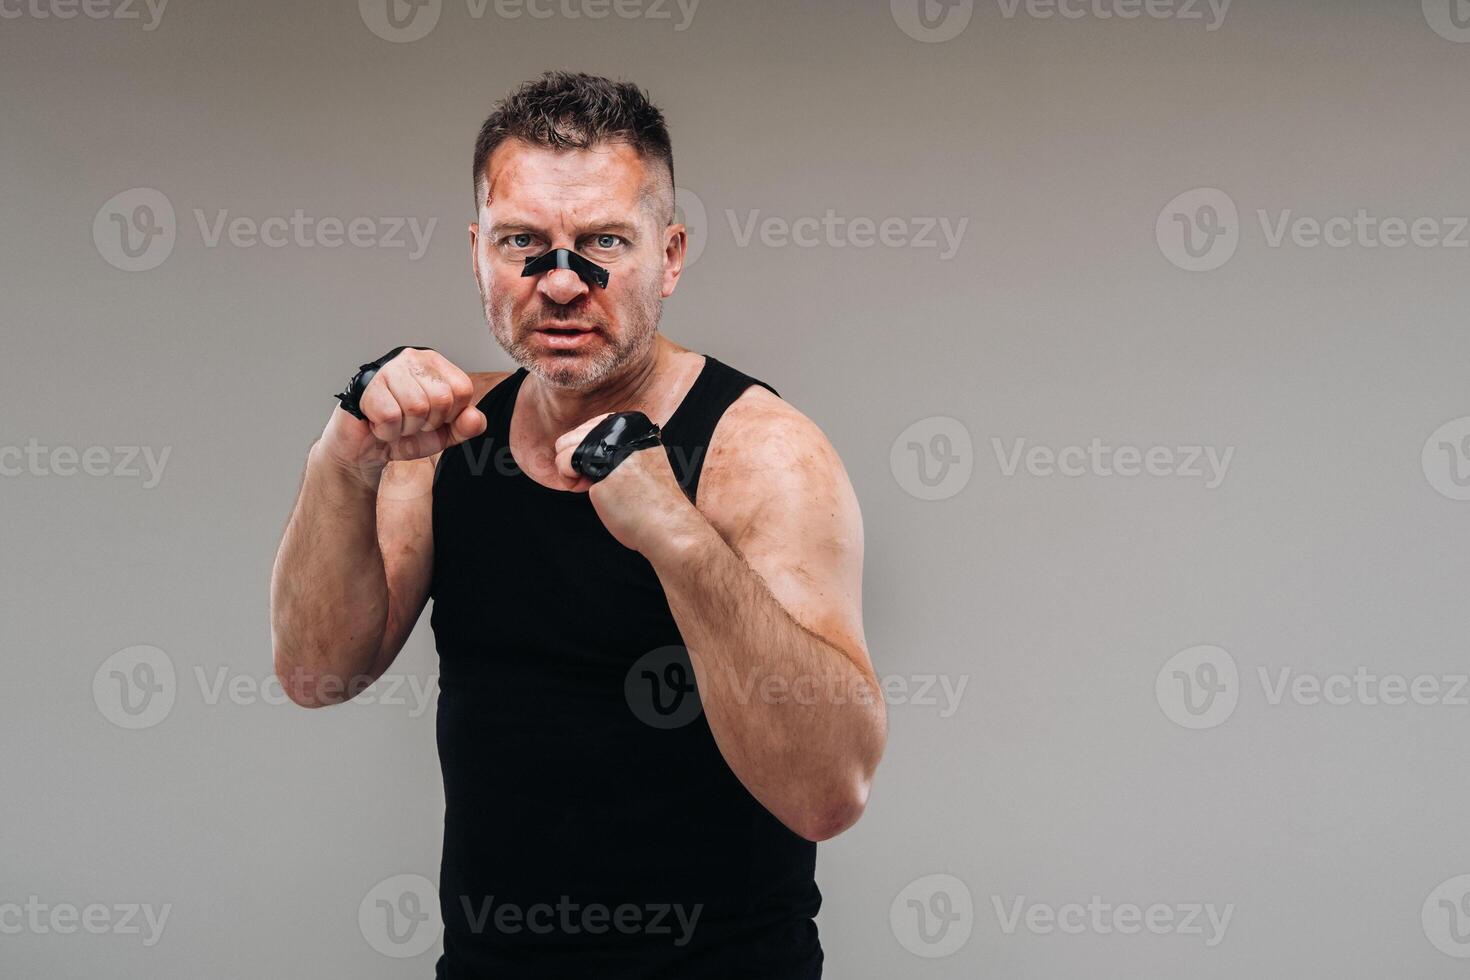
(772, 471)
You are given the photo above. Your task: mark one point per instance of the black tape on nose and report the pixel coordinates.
(613, 440)
(564, 258)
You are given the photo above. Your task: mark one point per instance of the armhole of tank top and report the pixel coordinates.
(739, 383)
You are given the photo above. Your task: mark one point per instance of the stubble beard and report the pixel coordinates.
(575, 369)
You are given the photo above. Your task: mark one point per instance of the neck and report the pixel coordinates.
(640, 386)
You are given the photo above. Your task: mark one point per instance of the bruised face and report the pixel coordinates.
(608, 206)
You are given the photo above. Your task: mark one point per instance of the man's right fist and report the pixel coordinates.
(416, 405)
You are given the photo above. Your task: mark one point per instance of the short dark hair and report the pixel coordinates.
(567, 110)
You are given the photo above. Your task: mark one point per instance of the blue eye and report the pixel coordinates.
(608, 241)
(515, 240)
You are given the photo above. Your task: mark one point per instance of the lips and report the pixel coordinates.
(565, 336)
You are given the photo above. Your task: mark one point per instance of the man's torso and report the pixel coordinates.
(582, 783)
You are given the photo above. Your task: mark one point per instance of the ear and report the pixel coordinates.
(475, 249)
(676, 240)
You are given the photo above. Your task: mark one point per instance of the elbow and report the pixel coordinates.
(842, 803)
(308, 689)
(833, 814)
(314, 675)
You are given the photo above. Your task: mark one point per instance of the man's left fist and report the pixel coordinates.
(640, 501)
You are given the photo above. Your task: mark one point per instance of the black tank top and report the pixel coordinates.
(591, 827)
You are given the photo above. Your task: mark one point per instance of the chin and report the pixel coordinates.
(569, 371)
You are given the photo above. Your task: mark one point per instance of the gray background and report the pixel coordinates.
(1332, 830)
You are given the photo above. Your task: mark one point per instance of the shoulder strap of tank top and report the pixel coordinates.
(688, 432)
(498, 404)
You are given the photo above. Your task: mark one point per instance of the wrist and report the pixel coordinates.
(684, 536)
(350, 478)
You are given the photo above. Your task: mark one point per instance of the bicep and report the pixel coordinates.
(803, 535)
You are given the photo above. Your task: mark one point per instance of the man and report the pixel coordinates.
(655, 693)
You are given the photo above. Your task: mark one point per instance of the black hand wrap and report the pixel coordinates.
(564, 258)
(611, 441)
(352, 394)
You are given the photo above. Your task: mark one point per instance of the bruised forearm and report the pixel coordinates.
(329, 590)
(798, 720)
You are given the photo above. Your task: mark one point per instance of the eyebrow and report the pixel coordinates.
(602, 225)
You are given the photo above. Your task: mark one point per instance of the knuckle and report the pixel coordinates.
(381, 408)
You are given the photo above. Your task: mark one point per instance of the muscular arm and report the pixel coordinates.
(352, 573)
(767, 592)
(351, 576)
